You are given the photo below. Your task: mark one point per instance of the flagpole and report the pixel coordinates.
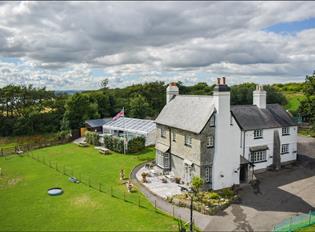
(124, 131)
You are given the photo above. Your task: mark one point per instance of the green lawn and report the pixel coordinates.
(307, 229)
(25, 204)
(294, 99)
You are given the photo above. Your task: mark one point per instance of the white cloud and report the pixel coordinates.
(59, 44)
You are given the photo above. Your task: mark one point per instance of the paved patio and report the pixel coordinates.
(155, 184)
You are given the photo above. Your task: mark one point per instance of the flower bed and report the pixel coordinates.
(206, 202)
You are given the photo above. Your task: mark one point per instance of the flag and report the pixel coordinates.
(120, 114)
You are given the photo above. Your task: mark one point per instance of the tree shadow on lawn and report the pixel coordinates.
(270, 196)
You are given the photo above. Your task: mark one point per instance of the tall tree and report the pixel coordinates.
(307, 107)
(138, 107)
(78, 109)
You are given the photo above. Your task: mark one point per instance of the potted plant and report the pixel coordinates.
(177, 180)
(144, 177)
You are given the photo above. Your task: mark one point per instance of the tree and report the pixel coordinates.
(104, 84)
(307, 107)
(196, 184)
(78, 109)
(138, 107)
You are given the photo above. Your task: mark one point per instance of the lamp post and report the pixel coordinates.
(190, 191)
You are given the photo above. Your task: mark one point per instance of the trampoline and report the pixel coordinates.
(55, 191)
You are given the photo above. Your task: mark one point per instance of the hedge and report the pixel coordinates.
(92, 138)
(117, 144)
(114, 143)
(136, 144)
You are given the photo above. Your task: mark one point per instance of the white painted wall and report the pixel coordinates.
(268, 140)
(226, 161)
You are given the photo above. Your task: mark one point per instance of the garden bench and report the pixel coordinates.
(104, 151)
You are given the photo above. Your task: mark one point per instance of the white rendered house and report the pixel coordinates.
(205, 136)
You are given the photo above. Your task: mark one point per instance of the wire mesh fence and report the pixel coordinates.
(296, 222)
(134, 196)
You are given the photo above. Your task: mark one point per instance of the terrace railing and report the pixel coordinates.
(296, 222)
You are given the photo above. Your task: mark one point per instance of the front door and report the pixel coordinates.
(243, 173)
(187, 174)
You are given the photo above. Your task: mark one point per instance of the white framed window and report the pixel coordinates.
(207, 174)
(163, 159)
(258, 134)
(285, 148)
(188, 140)
(163, 132)
(258, 156)
(285, 131)
(166, 160)
(210, 142)
(174, 136)
(212, 120)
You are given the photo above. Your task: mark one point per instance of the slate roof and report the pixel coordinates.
(187, 112)
(250, 117)
(133, 125)
(97, 122)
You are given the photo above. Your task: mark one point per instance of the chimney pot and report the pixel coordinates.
(173, 83)
(219, 80)
(223, 80)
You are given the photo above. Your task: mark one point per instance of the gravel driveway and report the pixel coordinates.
(280, 195)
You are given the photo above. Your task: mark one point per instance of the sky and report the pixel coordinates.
(75, 45)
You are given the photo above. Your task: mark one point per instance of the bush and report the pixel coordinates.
(64, 135)
(92, 138)
(136, 144)
(213, 195)
(114, 143)
(227, 193)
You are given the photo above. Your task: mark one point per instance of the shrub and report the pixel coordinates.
(196, 183)
(213, 195)
(92, 138)
(114, 143)
(227, 193)
(136, 144)
(64, 135)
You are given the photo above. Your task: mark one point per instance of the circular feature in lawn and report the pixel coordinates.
(55, 191)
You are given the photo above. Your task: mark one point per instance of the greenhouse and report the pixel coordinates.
(132, 127)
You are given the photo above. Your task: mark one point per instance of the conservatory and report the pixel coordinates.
(131, 128)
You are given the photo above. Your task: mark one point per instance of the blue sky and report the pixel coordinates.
(292, 27)
(74, 45)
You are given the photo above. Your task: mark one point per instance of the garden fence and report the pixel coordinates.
(29, 147)
(134, 197)
(296, 222)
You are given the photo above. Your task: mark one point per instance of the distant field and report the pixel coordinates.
(6, 142)
(26, 206)
(294, 99)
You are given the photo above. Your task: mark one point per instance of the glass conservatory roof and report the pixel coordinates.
(133, 125)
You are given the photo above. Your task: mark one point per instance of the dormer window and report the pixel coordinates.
(285, 131)
(163, 133)
(258, 134)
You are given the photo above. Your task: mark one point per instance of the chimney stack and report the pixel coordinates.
(259, 97)
(171, 92)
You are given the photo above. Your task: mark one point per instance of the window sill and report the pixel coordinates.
(259, 162)
(285, 153)
(210, 146)
(187, 145)
(258, 137)
(285, 134)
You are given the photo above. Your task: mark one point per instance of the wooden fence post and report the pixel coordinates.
(111, 190)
